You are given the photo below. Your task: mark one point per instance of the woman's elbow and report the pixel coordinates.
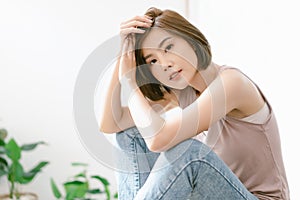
(107, 129)
(153, 148)
(156, 145)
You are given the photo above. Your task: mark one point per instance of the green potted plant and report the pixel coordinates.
(79, 186)
(12, 168)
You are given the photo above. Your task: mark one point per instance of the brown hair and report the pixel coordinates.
(170, 21)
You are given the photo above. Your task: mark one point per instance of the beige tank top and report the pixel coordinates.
(251, 150)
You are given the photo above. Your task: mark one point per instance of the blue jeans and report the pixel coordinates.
(190, 170)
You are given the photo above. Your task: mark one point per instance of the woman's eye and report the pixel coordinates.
(168, 48)
(153, 61)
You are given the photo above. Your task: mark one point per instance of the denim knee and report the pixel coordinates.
(132, 148)
(190, 149)
(128, 139)
(129, 133)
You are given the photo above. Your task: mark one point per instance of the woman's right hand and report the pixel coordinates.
(127, 31)
(130, 26)
(114, 116)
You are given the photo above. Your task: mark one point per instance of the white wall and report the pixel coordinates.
(43, 45)
(262, 39)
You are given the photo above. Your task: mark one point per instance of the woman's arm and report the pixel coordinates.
(114, 117)
(231, 90)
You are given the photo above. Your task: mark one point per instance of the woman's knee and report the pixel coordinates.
(126, 138)
(191, 148)
(130, 132)
(130, 141)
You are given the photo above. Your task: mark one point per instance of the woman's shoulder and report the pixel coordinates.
(228, 68)
(244, 92)
(234, 76)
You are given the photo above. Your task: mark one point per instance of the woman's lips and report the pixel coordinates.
(175, 74)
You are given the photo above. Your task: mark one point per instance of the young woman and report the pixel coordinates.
(177, 93)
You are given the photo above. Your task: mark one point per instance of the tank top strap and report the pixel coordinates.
(225, 67)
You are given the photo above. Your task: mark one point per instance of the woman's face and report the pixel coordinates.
(172, 59)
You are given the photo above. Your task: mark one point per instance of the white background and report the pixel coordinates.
(44, 43)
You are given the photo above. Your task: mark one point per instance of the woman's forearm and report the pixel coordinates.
(146, 119)
(111, 108)
(162, 133)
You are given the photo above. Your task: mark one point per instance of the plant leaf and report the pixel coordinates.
(39, 166)
(105, 183)
(29, 147)
(15, 172)
(28, 176)
(3, 167)
(2, 143)
(55, 189)
(3, 134)
(3, 163)
(79, 164)
(13, 151)
(82, 174)
(94, 191)
(2, 150)
(116, 195)
(101, 179)
(75, 189)
(3, 172)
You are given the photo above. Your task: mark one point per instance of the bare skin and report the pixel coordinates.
(173, 63)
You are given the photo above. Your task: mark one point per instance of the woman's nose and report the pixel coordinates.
(167, 65)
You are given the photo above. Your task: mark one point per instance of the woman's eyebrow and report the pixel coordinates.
(163, 41)
(159, 46)
(148, 56)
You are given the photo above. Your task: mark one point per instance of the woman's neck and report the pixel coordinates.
(203, 78)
